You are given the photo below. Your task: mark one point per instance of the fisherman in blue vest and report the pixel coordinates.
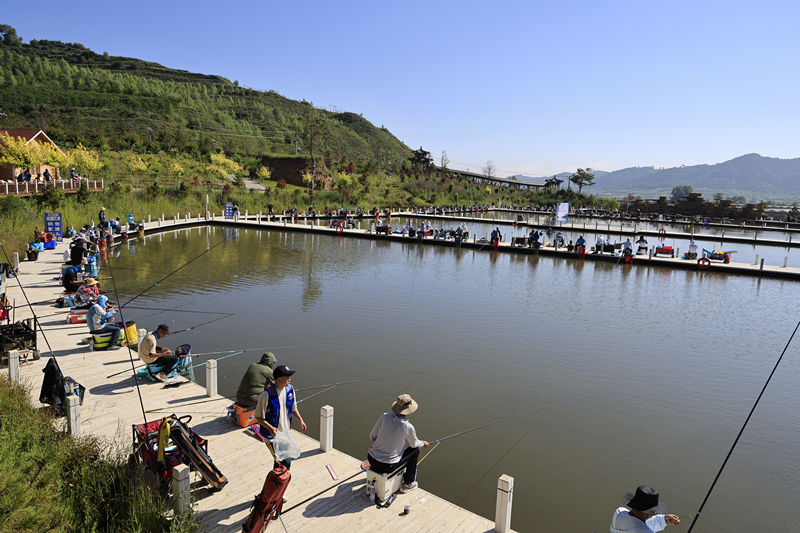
(275, 408)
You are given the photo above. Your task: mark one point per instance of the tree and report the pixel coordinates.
(444, 161)
(51, 197)
(582, 178)
(85, 160)
(83, 196)
(8, 35)
(680, 191)
(315, 130)
(489, 170)
(793, 215)
(264, 173)
(718, 197)
(17, 153)
(223, 166)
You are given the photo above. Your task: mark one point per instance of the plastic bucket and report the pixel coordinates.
(131, 334)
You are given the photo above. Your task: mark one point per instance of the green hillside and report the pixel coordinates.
(109, 102)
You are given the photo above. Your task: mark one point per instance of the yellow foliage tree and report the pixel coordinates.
(264, 173)
(52, 156)
(86, 161)
(343, 180)
(223, 166)
(16, 153)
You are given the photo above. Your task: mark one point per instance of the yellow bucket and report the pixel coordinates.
(131, 334)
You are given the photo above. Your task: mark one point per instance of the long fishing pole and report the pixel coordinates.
(484, 425)
(697, 515)
(219, 359)
(174, 271)
(230, 351)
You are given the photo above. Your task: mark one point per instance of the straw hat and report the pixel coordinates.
(90, 282)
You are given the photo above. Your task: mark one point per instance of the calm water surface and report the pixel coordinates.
(636, 375)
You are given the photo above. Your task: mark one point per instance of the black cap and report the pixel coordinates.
(282, 371)
(163, 327)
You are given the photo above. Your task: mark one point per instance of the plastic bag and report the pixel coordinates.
(284, 447)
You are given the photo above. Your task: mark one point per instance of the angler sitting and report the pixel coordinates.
(389, 437)
(257, 378)
(97, 319)
(581, 242)
(692, 250)
(87, 294)
(70, 280)
(157, 358)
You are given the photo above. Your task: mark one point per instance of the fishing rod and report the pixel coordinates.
(174, 271)
(357, 381)
(736, 441)
(219, 359)
(326, 388)
(230, 351)
(484, 425)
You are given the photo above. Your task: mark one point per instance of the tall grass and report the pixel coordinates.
(50, 481)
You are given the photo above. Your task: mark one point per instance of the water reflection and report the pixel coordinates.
(648, 372)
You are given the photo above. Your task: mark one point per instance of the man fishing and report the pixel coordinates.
(275, 408)
(156, 355)
(97, 319)
(646, 514)
(389, 437)
(257, 378)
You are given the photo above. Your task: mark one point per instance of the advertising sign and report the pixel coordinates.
(52, 224)
(561, 214)
(229, 210)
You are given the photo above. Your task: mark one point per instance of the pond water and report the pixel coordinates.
(628, 375)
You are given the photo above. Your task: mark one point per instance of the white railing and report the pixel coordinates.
(25, 188)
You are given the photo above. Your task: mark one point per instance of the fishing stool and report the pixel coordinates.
(384, 485)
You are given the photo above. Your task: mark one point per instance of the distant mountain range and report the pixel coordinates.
(752, 176)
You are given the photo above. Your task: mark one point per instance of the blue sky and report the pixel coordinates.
(536, 87)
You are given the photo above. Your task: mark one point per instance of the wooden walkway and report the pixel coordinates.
(321, 226)
(112, 405)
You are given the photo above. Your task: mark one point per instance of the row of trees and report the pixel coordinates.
(17, 152)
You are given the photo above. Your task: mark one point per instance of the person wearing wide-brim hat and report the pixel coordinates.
(395, 442)
(87, 294)
(646, 514)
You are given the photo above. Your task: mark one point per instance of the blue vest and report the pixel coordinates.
(274, 405)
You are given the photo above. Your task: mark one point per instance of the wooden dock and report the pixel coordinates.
(320, 226)
(111, 406)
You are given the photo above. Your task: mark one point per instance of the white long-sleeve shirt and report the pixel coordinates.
(389, 438)
(624, 522)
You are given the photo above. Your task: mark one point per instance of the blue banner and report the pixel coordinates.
(52, 224)
(563, 211)
(229, 210)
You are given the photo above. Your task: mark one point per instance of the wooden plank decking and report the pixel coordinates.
(111, 407)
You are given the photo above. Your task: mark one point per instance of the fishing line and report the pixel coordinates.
(173, 272)
(499, 460)
(220, 359)
(382, 403)
(231, 351)
(330, 386)
(130, 352)
(35, 319)
(489, 424)
(697, 515)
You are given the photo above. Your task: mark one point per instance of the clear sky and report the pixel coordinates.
(536, 87)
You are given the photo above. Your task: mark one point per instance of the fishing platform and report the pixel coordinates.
(111, 407)
(320, 225)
